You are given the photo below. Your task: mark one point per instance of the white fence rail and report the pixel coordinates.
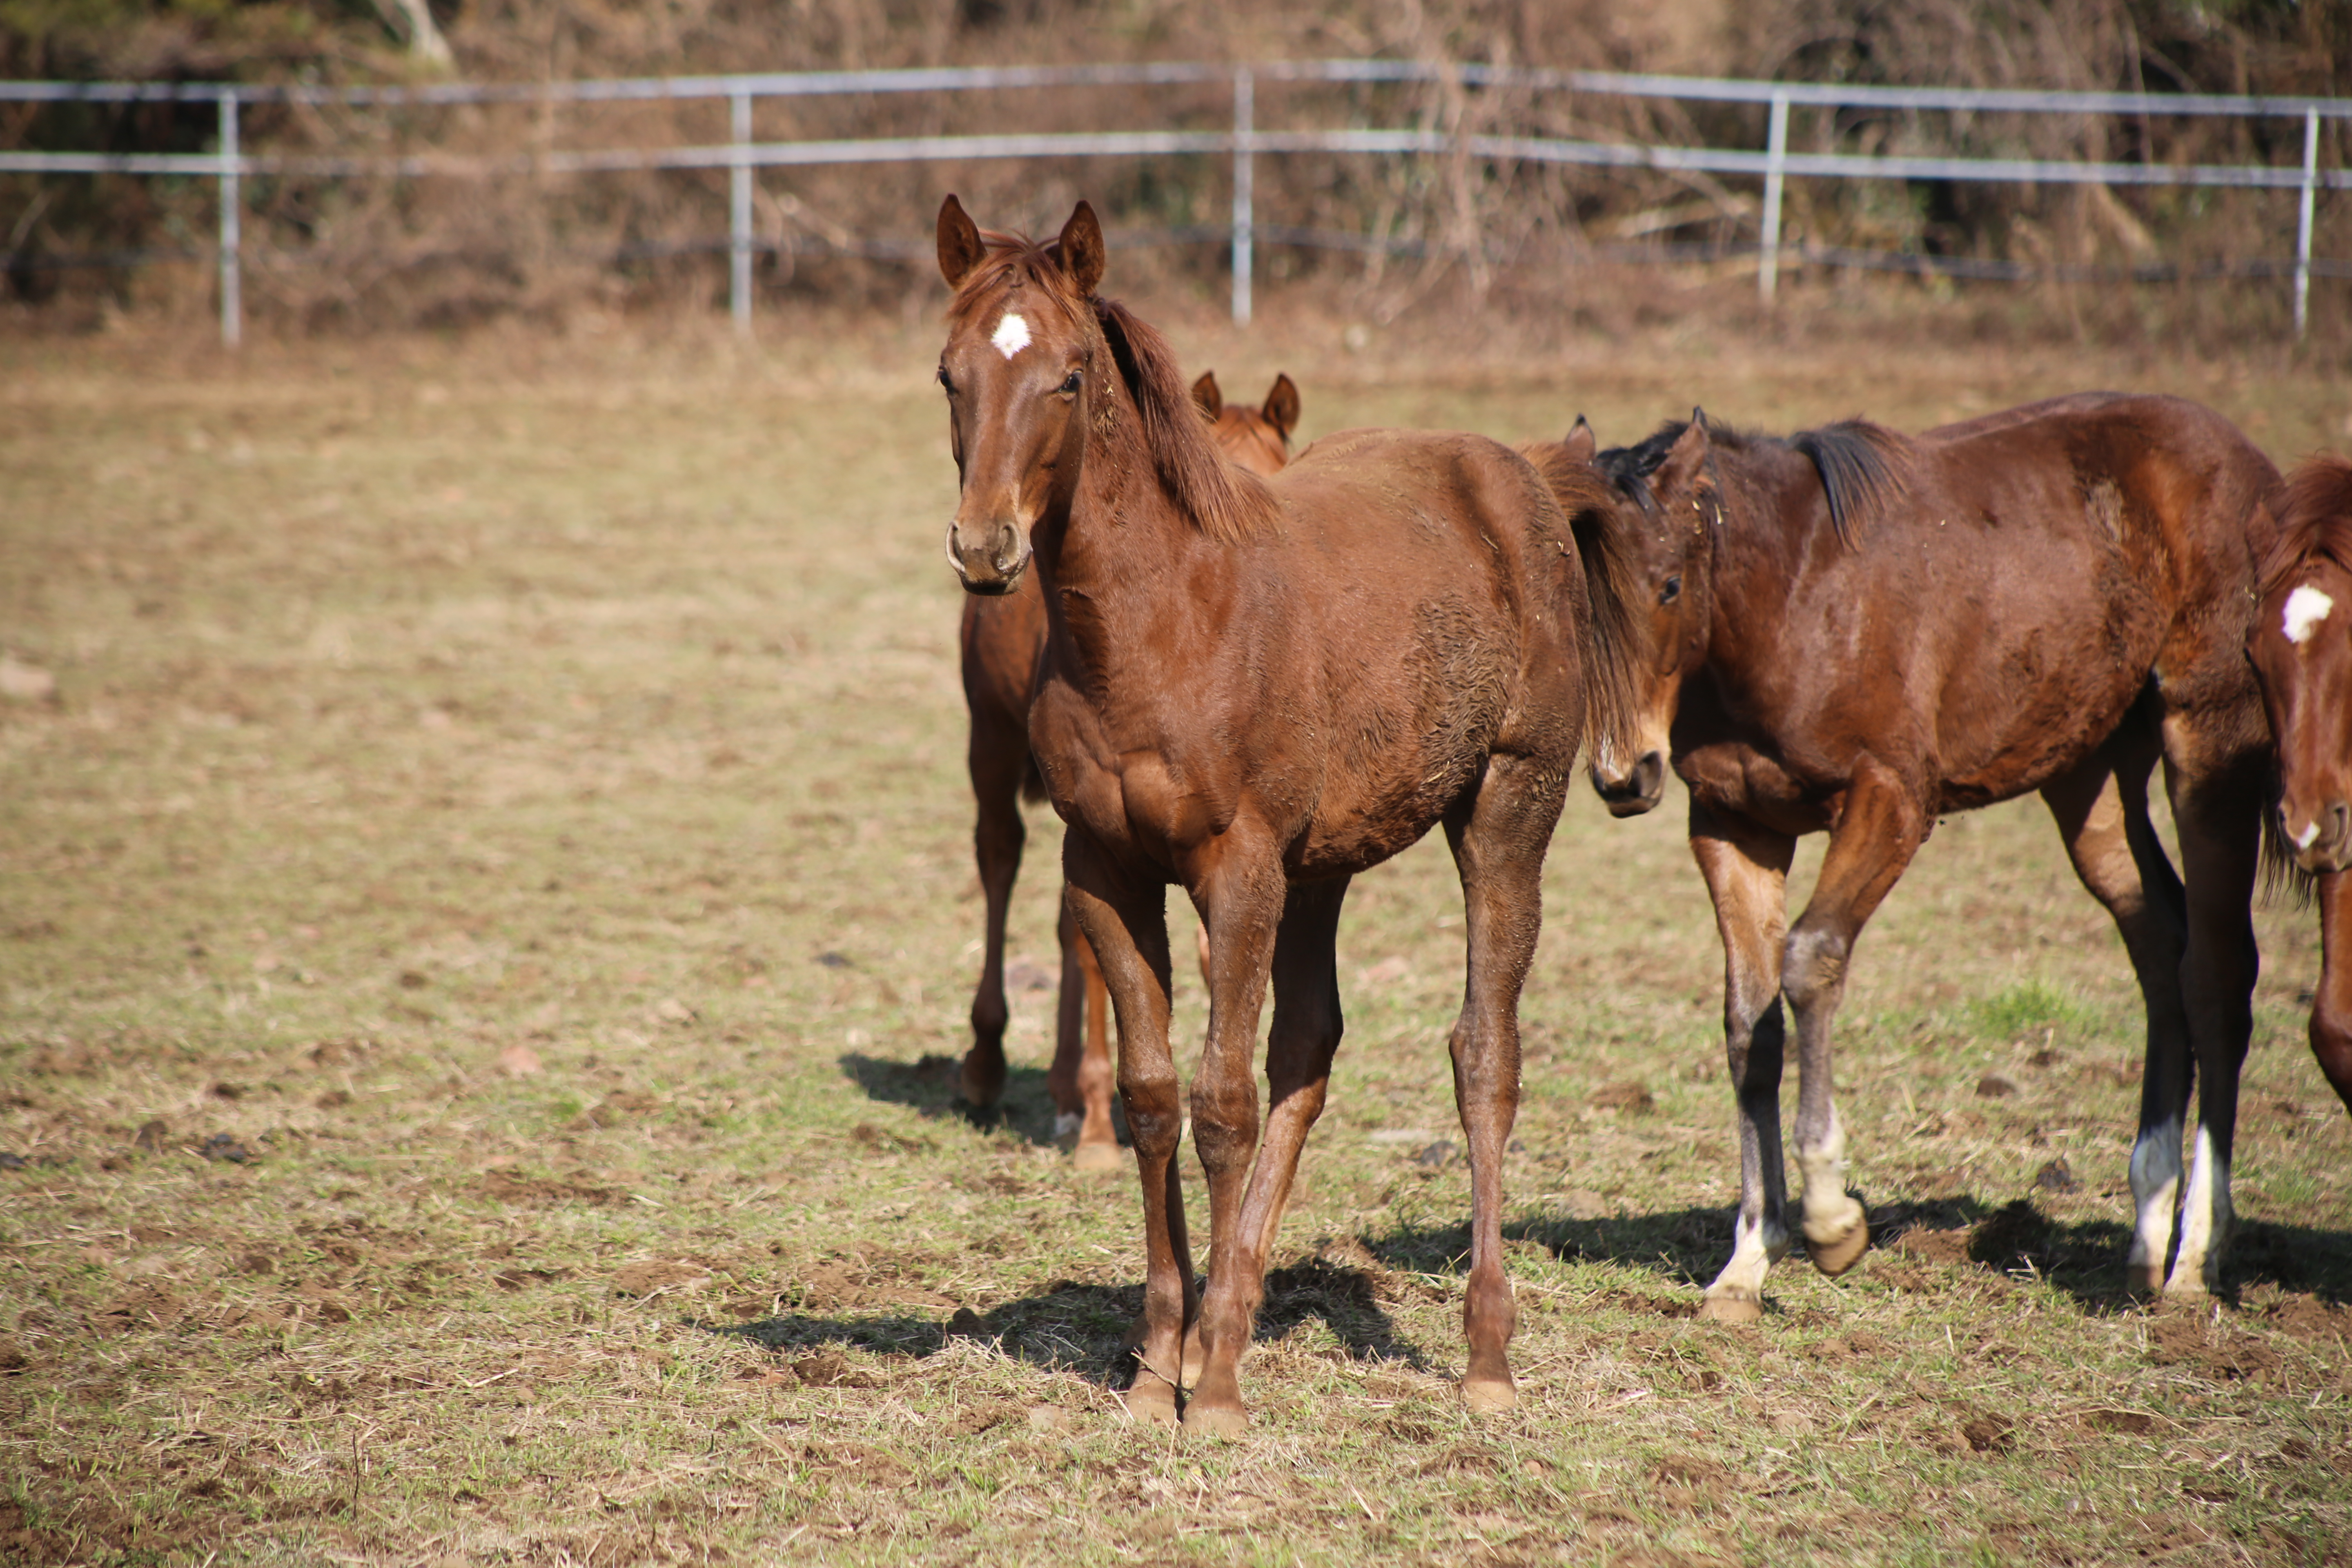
(742, 153)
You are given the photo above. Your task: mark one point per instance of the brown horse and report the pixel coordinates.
(1257, 438)
(1255, 689)
(1002, 642)
(2301, 644)
(1855, 632)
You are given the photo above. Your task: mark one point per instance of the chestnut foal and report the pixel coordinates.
(1002, 640)
(2300, 642)
(1255, 690)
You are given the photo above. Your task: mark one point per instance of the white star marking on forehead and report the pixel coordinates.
(1012, 335)
(2305, 609)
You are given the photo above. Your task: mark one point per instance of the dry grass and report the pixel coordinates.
(475, 915)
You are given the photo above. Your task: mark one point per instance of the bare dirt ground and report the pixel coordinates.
(486, 902)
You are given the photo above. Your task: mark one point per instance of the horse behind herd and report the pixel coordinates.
(1255, 679)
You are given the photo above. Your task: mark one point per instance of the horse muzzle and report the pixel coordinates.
(989, 559)
(2323, 841)
(1637, 790)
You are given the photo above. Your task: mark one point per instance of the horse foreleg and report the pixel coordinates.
(1300, 1047)
(1879, 829)
(1080, 1079)
(2331, 1002)
(1499, 848)
(2218, 817)
(2101, 810)
(1241, 900)
(1746, 867)
(997, 761)
(1125, 921)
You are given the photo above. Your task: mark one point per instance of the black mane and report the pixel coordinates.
(1860, 465)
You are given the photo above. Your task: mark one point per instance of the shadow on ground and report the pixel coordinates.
(2085, 1258)
(930, 1085)
(1069, 1327)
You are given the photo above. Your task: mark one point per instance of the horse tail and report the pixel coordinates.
(1614, 594)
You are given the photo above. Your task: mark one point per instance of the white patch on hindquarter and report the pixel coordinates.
(2305, 609)
(1013, 336)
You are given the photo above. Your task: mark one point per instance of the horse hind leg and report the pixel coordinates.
(1746, 868)
(1080, 1079)
(1498, 846)
(2101, 810)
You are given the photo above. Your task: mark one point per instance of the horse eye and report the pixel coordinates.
(1069, 384)
(1671, 592)
(946, 380)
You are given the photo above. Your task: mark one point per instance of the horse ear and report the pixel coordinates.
(1685, 462)
(1206, 396)
(1579, 444)
(1083, 254)
(960, 243)
(1281, 408)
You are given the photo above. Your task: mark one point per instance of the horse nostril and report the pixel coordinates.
(1649, 775)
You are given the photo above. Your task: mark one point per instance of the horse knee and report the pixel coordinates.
(1155, 1113)
(1224, 1126)
(1813, 967)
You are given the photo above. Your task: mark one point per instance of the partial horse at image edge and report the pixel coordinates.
(2300, 643)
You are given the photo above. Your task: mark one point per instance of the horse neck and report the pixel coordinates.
(1753, 556)
(1122, 545)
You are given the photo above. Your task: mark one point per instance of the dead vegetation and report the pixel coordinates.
(1414, 234)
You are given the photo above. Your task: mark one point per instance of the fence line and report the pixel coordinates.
(740, 154)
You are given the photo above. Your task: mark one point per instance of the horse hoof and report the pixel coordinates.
(1835, 1255)
(1482, 1395)
(1096, 1157)
(1216, 1420)
(2184, 1285)
(1731, 1307)
(1151, 1401)
(980, 1085)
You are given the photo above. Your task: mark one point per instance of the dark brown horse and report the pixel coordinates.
(2300, 642)
(1003, 641)
(1855, 632)
(1255, 689)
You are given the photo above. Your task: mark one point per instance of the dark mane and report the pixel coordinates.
(1227, 503)
(1223, 501)
(2314, 519)
(1614, 590)
(1861, 464)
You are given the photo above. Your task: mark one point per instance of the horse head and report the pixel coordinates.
(1020, 352)
(1256, 438)
(2301, 646)
(1645, 562)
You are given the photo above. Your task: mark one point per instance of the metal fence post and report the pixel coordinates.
(1776, 152)
(2303, 227)
(739, 225)
(232, 290)
(1245, 177)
